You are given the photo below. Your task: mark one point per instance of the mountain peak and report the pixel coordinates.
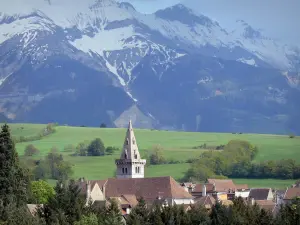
(127, 5)
(187, 15)
(248, 31)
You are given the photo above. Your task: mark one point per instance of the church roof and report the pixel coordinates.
(148, 188)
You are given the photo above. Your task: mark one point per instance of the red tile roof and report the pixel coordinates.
(148, 188)
(222, 185)
(198, 187)
(292, 193)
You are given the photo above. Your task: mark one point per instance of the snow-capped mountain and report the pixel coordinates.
(84, 62)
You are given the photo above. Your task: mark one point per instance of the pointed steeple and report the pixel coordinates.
(130, 163)
(130, 147)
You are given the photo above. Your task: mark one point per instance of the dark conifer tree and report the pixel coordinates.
(139, 215)
(14, 182)
(155, 215)
(219, 215)
(65, 207)
(198, 215)
(112, 215)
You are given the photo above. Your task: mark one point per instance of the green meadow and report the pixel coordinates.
(175, 145)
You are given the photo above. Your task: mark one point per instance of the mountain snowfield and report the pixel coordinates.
(119, 63)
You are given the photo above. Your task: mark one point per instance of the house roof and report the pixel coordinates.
(33, 207)
(259, 193)
(83, 185)
(130, 199)
(268, 205)
(198, 187)
(205, 200)
(222, 185)
(292, 193)
(148, 188)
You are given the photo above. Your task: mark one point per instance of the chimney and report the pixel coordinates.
(204, 190)
(88, 191)
(252, 201)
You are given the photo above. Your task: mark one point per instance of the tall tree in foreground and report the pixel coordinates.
(14, 181)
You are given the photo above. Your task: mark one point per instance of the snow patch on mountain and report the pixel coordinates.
(104, 40)
(26, 27)
(247, 61)
(69, 13)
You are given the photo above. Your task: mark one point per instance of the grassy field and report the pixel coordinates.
(175, 145)
(261, 183)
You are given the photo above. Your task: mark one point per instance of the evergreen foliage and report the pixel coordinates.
(14, 180)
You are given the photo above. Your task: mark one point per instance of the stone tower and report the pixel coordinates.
(130, 165)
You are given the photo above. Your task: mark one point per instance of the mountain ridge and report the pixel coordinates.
(127, 54)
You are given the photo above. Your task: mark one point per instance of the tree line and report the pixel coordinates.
(235, 161)
(49, 129)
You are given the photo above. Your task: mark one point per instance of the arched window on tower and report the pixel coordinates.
(125, 155)
(133, 141)
(135, 155)
(127, 141)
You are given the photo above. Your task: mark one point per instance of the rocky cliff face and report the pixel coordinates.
(102, 61)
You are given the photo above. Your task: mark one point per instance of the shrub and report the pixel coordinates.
(31, 150)
(291, 136)
(103, 125)
(69, 148)
(96, 148)
(156, 156)
(110, 150)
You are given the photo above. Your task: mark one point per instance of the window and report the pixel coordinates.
(126, 170)
(127, 142)
(125, 156)
(133, 141)
(123, 170)
(135, 155)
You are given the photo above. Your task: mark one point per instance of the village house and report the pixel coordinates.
(220, 189)
(130, 183)
(261, 194)
(290, 194)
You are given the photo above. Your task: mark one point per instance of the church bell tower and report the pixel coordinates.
(130, 165)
